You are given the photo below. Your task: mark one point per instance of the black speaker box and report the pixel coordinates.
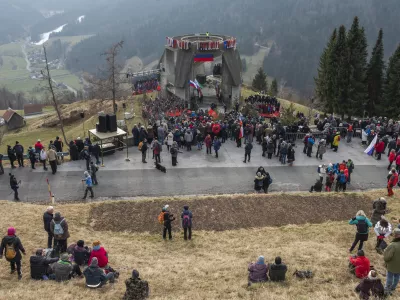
(112, 123)
(102, 124)
(201, 78)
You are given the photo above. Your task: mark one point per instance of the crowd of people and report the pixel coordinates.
(62, 262)
(265, 104)
(145, 84)
(160, 108)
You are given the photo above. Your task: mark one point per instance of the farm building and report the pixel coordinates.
(13, 119)
(33, 109)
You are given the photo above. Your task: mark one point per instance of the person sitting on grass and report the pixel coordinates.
(359, 264)
(370, 286)
(40, 265)
(277, 271)
(80, 253)
(64, 270)
(100, 253)
(136, 288)
(258, 271)
(95, 276)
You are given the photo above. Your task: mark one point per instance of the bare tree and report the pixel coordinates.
(47, 76)
(110, 85)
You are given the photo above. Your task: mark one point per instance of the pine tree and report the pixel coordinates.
(391, 94)
(325, 81)
(273, 91)
(357, 47)
(375, 78)
(260, 80)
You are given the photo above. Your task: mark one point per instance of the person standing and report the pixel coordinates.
(84, 154)
(379, 210)
(247, 151)
(174, 153)
(1, 164)
(168, 218)
(321, 149)
(391, 257)
(157, 150)
(96, 153)
(19, 152)
(11, 156)
(59, 229)
(310, 144)
(144, 151)
(208, 143)
(217, 146)
(32, 157)
(12, 247)
(392, 157)
(188, 140)
(93, 170)
(136, 288)
(169, 140)
(283, 152)
(363, 225)
(379, 149)
(47, 219)
(392, 182)
(89, 185)
(43, 158)
(186, 217)
(382, 229)
(14, 186)
(336, 141)
(52, 155)
(270, 148)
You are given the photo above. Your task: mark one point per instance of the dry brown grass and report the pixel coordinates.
(212, 266)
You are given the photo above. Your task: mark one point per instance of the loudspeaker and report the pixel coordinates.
(112, 123)
(102, 125)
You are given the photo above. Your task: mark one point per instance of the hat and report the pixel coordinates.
(86, 173)
(186, 207)
(96, 243)
(94, 262)
(39, 140)
(11, 231)
(260, 260)
(360, 253)
(396, 231)
(135, 274)
(64, 257)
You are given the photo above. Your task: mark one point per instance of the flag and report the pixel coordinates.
(371, 146)
(198, 84)
(193, 84)
(241, 130)
(203, 57)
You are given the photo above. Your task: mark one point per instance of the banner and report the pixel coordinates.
(371, 146)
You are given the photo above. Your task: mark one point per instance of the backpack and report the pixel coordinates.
(58, 230)
(161, 218)
(362, 227)
(10, 251)
(140, 146)
(270, 180)
(303, 274)
(186, 221)
(158, 147)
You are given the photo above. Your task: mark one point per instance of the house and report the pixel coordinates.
(13, 119)
(33, 109)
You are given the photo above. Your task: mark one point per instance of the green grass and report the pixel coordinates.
(73, 40)
(11, 49)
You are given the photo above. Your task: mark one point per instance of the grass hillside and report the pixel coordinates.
(214, 264)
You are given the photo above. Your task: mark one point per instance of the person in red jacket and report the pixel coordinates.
(100, 253)
(216, 129)
(392, 158)
(208, 142)
(394, 178)
(379, 148)
(359, 265)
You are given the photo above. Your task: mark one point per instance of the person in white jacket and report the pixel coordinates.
(364, 137)
(382, 229)
(169, 140)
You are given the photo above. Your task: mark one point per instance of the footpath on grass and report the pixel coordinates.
(225, 212)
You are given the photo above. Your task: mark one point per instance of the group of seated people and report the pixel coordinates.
(262, 272)
(264, 103)
(146, 84)
(97, 270)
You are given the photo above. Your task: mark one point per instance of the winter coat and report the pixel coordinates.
(259, 182)
(7, 240)
(277, 272)
(380, 230)
(248, 148)
(270, 147)
(216, 129)
(62, 270)
(208, 141)
(52, 155)
(188, 137)
(47, 218)
(398, 160)
(101, 256)
(64, 226)
(355, 220)
(11, 154)
(284, 148)
(136, 289)
(217, 145)
(370, 287)
(336, 140)
(392, 256)
(393, 180)
(157, 147)
(80, 255)
(94, 276)
(150, 132)
(379, 209)
(392, 157)
(19, 149)
(40, 266)
(321, 148)
(169, 139)
(379, 147)
(362, 266)
(189, 213)
(258, 272)
(59, 145)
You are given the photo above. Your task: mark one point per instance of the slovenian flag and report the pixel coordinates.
(371, 146)
(203, 57)
(193, 84)
(241, 130)
(198, 84)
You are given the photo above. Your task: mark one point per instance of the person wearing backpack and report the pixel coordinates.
(12, 247)
(363, 224)
(59, 228)
(186, 217)
(47, 218)
(168, 218)
(359, 265)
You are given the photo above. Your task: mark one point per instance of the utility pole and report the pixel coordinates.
(47, 76)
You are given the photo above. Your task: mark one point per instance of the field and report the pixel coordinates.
(214, 264)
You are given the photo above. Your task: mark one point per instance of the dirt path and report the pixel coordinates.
(232, 212)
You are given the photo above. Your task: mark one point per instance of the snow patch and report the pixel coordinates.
(44, 37)
(80, 19)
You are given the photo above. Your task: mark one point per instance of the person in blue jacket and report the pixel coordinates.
(89, 185)
(217, 146)
(186, 217)
(363, 224)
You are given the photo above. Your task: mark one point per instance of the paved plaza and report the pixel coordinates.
(196, 174)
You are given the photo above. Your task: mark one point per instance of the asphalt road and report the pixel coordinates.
(114, 184)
